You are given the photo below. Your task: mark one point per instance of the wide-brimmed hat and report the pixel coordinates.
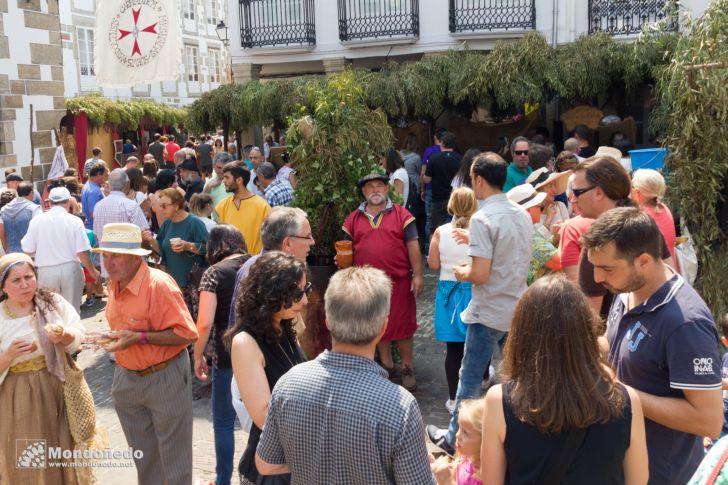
(14, 177)
(526, 196)
(542, 177)
(59, 194)
(121, 238)
(373, 176)
(615, 153)
(189, 164)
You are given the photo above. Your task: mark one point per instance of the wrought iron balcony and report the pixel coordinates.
(372, 19)
(273, 23)
(621, 17)
(479, 15)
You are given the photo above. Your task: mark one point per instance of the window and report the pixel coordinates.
(86, 51)
(193, 73)
(214, 66)
(213, 10)
(189, 9)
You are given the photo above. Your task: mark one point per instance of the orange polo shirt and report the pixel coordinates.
(151, 302)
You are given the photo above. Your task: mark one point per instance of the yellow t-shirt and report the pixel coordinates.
(247, 218)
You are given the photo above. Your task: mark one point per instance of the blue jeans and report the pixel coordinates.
(223, 422)
(428, 208)
(480, 341)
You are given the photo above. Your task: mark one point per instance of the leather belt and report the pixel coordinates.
(152, 368)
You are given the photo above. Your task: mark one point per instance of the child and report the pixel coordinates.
(465, 469)
(91, 286)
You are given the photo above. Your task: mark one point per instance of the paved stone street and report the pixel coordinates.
(429, 367)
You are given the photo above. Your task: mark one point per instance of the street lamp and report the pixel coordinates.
(222, 33)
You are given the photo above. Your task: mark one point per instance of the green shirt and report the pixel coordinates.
(516, 176)
(178, 265)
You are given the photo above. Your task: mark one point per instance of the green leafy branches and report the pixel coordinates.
(130, 114)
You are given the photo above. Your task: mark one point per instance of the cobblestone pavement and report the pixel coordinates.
(429, 367)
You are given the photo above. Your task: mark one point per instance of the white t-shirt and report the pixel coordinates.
(209, 223)
(401, 174)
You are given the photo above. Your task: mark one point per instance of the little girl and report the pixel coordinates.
(465, 468)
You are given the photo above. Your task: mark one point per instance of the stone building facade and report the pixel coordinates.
(31, 74)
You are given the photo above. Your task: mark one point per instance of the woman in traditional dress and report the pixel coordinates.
(36, 328)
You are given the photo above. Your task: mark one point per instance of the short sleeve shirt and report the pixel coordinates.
(664, 346)
(247, 217)
(442, 167)
(570, 243)
(500, 231)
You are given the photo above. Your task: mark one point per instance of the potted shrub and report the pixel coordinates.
(332, 141)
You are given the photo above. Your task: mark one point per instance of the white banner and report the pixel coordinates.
(137, 42)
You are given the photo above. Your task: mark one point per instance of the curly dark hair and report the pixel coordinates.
(224, 240)
(271, 286)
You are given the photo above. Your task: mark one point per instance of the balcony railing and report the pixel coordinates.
(272, 23)
(372, 19)
(621, 17)
(479, 15)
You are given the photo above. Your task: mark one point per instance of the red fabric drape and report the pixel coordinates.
(80, 131)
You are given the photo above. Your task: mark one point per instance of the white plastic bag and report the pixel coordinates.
(687, 260)
(243, 415)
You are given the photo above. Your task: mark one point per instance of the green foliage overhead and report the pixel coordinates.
(332, 141)
(131, 114)
(693, 96)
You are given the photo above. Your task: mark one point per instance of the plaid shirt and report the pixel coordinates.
(279, 193)
(338, 419)
(115, 208)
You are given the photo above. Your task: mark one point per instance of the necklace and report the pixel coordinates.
(9, 313)
(286, 353)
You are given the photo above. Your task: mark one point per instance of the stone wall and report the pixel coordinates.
(31, 73)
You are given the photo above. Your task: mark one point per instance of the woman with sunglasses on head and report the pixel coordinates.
(263, 341)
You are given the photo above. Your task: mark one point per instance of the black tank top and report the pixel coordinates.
(279, 359)
(530, 453)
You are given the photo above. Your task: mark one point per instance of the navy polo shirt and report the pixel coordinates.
(665, 345)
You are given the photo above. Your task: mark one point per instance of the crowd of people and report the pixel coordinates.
(574, 349)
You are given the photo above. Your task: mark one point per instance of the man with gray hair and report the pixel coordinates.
(116, 208)
(518, 169)
(256, 159)
(338, 418)
(277, 192)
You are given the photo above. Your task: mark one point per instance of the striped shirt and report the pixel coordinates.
(338, 419)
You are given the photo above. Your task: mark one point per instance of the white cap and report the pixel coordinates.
(59, 194)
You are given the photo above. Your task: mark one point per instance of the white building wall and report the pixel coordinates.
(571, 18)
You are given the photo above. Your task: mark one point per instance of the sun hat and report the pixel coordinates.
(542, 177)
(59, 194)
(14, 177)
(526, 196)
(373, 176)
(615, 153)
(121, 238)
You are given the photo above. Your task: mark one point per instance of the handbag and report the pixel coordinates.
(79, 401)
(555, 475)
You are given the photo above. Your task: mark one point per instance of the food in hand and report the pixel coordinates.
(105, 340)
(54, 329)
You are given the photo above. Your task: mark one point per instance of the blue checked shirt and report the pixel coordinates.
(279, 193)
(338, 419)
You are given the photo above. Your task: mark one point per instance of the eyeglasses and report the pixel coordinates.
(164, 206)
(309, 237)
(298, 296)
(579, 192)
(520, 152)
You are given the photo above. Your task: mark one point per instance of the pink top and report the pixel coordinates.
(666, 224)
(465, 471)
(570, 244)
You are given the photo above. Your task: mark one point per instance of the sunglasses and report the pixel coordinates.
(521, 152)
(298, 295)
(579, 192)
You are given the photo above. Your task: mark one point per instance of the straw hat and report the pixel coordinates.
(526, 196)
(121, 238)
(615, 153)
(542, 177)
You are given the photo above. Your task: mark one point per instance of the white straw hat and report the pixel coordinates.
(526, 196)
(121, 238)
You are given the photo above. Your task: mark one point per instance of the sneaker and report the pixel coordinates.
(408, 379)
(485, 385)
(450, 406)
(437, 436)
(89, 302)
